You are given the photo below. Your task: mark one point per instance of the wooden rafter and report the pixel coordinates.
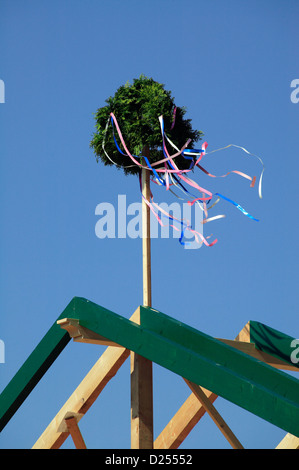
(213, 413)
(84, 396)
(289, 442)
(182, 423)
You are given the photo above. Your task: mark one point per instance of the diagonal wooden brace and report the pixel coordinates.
(70, 426)
(216, 417)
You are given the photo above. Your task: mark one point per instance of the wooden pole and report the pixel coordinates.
(141, 368)
(146, 236)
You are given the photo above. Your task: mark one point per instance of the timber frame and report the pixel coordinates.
(263, 350)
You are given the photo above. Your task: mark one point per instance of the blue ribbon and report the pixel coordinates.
(154, 171)
(237, 206)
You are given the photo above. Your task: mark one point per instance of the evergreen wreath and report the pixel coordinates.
(137, 108)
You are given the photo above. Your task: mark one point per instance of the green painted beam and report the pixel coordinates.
(247, 368)
(241, 379)
(36, 365)
(274, 342)
(33, 369)
(268, 393)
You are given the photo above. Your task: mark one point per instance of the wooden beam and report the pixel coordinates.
(216, 417)
(200, 358)
(190, 413)
(70, 414)
(89, 389)
(80, 334)
(244, 334)
(32, 370)
(85, 394)
(289, 442)
(74, 431)
(251, 350)
(186, 418)
(141, 402)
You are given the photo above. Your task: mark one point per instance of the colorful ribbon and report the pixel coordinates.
(171, 175)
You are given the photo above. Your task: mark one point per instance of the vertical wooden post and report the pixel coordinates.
(141, 368)
(146, 236)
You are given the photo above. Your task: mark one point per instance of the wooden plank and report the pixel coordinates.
(213, 413)
(182, 423)
(75, 432)
(289, 442)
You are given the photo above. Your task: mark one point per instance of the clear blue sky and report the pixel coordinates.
(231, 64)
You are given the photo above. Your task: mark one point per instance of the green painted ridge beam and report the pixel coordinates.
(227, 372)
(274, 342)
(33, 369)
(220, 353)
